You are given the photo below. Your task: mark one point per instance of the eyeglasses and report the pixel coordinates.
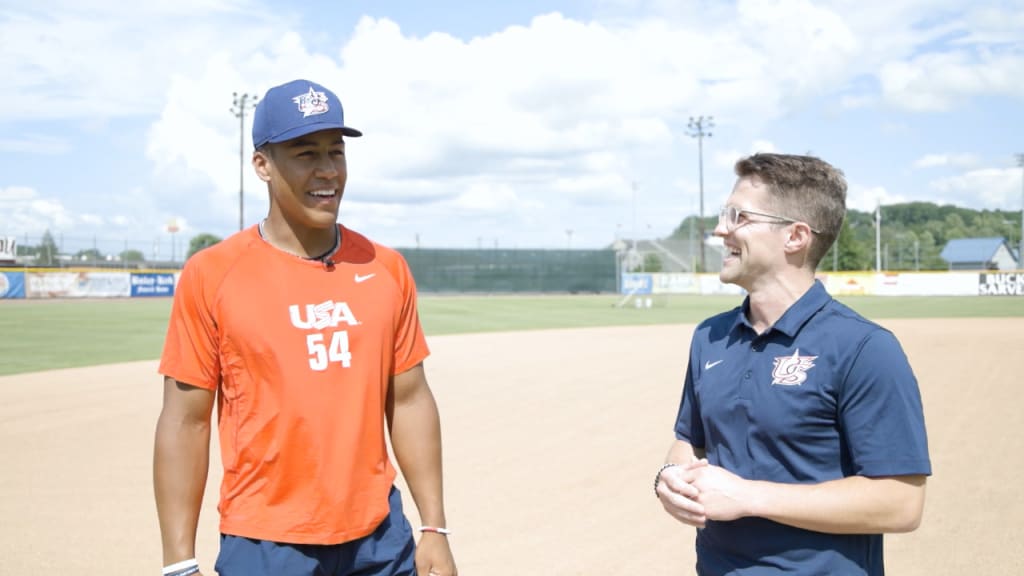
(734, 217)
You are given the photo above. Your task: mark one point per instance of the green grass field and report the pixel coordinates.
(42, 335)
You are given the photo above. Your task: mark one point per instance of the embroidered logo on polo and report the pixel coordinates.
(792, 370)
(311, 103)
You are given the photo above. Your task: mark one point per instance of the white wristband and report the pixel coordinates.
(183, 565)
(435, 530)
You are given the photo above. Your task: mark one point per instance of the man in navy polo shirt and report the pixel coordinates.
(800, 438)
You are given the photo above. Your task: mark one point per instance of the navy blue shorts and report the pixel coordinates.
(389, 551)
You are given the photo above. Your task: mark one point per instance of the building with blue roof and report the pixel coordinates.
(979, 254)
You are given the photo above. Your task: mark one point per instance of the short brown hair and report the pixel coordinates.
(804, 188)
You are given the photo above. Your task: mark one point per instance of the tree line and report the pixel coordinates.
(912, 236)
(47, 252)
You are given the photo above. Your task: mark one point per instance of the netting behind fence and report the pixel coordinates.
(573, 271)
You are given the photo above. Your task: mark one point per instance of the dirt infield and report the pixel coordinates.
(551, 442)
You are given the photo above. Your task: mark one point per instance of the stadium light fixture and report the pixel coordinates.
(700, 128)
(241, 103)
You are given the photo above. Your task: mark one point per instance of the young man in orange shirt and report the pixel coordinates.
(306, 336)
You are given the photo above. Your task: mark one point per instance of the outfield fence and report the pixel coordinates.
(20, 283)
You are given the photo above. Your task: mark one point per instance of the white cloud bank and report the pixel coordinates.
(523, 133)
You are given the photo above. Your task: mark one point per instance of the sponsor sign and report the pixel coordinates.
(8, 251)
(149, 285)
(849, 284)
(77, 285)
(12, 284)
(636, 283)
(1001, 284)
(675, 283)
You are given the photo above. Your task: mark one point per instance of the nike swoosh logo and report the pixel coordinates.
(710, 365)
(360, 279)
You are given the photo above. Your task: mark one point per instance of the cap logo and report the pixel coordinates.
(792, 370)
(311, 103)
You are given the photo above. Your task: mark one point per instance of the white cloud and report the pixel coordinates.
(529, 130)
(866, 198)
(26, 211)
(762, 146)
(994, 25)
(938, 81)
(983, 188)
(36, 144)
(102, 59)
(725, 160)
(851, 102)
(955, 160)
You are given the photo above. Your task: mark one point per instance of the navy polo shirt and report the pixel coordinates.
(822, 394)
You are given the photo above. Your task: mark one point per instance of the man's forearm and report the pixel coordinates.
(416, 439)
(181, 458)
(853, 505)
(681, 452)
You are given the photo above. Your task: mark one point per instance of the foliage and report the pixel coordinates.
(201, 241)
(132, 256)
(46, 253)
(89, 255)
(652, 263)
(912, 236)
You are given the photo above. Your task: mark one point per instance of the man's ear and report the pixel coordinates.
(799, 238)
(261, 163)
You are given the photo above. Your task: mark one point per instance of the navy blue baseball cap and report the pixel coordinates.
(295, 109)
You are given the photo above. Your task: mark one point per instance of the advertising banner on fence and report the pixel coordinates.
(675, 283)
(8, 252)
(77, 285)
(849, 283)
(926, 284)
(710, 284)
(636, 283)
(12, 284)
(1001, 284)
(152, 284)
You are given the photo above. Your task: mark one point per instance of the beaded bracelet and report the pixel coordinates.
(657, 477)
(435, 530)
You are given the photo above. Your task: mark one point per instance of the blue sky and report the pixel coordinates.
(517, 124)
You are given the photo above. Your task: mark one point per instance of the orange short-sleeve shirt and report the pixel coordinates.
(300, 354)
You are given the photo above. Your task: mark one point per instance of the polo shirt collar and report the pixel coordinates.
(796, 315)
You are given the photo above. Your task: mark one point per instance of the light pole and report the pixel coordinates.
(700, 128)
(1020, 249)
(878, 236)
(635, 187)
(240, 104)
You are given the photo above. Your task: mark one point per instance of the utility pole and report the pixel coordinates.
(878, 236)
(635, 187)
(241, 103)
(1020, 249)
(700, 128)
